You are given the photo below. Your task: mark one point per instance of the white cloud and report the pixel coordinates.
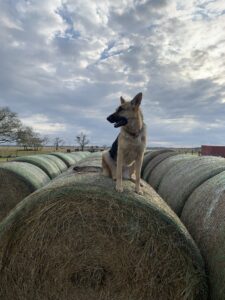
(182, 124)
(66, 63)
(43, 125)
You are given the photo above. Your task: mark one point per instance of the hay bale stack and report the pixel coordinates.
(84, 153)
(164, 166)
(145, 160)
(68, 159)
(92, 163)
(179, 182)
(96, 154)
(93, 160)
(80, 154)
(204, 216)
(152, 164)
(47, 165)
(18, 180)
(60, 164)
(77, 238)
(149, 156)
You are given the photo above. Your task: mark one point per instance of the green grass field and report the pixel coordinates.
(7, 153)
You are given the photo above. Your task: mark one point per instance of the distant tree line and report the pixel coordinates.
(13, 131)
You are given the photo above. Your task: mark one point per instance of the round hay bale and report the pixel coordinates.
(149, 156)
(163, 167)
(154, 162)
(145, 161)
(18, 180)
(96, 154)
(82, 153)
(77, 155)
(69, 160)
(85, 153)
(204, 216)
(60, 164)
(179, 182)
(48, 166)
(93, 161)
(77, 238)
(89, 164)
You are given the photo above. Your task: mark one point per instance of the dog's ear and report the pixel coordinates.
(122, 101)
(137, 100)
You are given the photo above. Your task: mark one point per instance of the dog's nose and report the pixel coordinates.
(110, 118)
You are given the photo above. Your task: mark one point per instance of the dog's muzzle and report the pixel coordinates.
(118, 120)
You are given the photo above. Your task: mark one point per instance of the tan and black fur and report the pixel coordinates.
(126, 154)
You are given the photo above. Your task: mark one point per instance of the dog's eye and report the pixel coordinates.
(119, 109)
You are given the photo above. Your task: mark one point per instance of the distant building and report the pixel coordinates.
(213, 150)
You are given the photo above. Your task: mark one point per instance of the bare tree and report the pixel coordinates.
(28, 138)
(9, 125)
(82, 140)
(36, 141)
(45, 140)
(25, 136)
(58, 142)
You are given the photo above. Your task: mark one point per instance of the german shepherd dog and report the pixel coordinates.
(126, 154)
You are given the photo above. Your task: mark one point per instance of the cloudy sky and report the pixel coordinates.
(65, 63)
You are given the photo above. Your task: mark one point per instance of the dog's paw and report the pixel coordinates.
(139, 192)
(119, 189)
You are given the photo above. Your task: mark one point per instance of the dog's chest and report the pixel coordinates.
(131, 151)
(130, 156)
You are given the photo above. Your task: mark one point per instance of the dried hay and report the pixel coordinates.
(145, 160)
(181, 180)
(60, 164)
(96, 154)
(78, 155)
(204, 216)
(47, 165)
(77, 238)
(82, 154)
(152, 164)
(148, 157)
(18, 180)
(90, 164)
(163, 167)
(68, 159)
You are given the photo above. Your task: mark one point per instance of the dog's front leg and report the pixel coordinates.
(119, 171)
(138, 164)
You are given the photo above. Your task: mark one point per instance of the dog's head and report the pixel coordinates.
(125, 111)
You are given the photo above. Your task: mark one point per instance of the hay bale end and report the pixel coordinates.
(77, 238)
(204, 216)
(17, 181)
(180, 181)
